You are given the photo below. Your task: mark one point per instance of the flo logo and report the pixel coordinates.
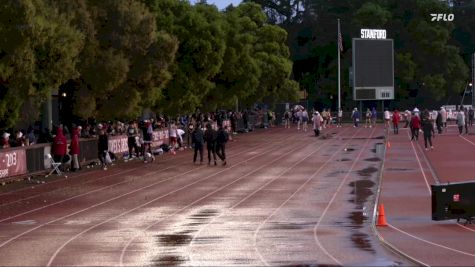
(442, 17)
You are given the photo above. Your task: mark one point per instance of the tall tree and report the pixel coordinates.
(39, 51)
(200, 31)
(125, 61)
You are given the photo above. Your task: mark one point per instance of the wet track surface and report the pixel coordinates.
(286, 198)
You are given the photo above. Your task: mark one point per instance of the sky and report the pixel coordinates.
(221, 4)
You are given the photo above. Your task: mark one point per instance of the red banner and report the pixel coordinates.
(12, 162)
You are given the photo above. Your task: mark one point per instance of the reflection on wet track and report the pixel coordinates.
(262, 209)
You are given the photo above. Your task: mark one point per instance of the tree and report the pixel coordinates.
(38, 52)
(199, 30)
(125, 62)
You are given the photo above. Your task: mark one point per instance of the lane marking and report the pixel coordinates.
(146, 203)
(256, 232)
(315, 229)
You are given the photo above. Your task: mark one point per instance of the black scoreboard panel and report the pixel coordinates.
(365, 94)
(373, 68)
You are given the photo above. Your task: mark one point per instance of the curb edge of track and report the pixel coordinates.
(391, 248)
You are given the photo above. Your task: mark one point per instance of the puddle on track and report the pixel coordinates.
(366, 172)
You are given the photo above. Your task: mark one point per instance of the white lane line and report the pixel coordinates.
(256, 232)
(102, 188)
(98, 204)
(422, 239)
(315, 229)
(124, 250)
(431, 243)
(144, 204)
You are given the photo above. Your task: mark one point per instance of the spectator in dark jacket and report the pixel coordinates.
(197, 140)
(210, 139)
(75, 149)
(221, 139)
(428, 129)
(438, 122)
(59, 145)
(103, 146)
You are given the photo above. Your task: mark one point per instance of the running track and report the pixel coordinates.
(286, 198)
(408, 172)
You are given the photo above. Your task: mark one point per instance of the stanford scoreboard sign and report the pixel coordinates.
(373, 66)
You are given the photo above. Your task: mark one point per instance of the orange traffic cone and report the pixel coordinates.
(381, 218)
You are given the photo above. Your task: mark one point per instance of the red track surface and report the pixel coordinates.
(408, 172)
(287, 198)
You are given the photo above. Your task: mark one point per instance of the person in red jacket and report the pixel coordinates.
(59, 145)
(75, 149)
(415, 126)
(396, 119)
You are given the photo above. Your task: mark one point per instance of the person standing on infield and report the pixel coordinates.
(396, 119)
(428, 130)
(221, 139)
(415, 126)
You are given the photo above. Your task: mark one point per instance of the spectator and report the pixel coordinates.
(396, 119)
(415, 126)
(45, 136)
(300, 119)
(438, 122)
(210, 140)
(74, 149)
(197, 140)
(19, 139)
(443, 112)
(173, 135)
(147, 131)
(31, 138)
(132, 134)
(287, 116)
(103, 146)
(59, 146)
(356, 117)
(428, 130)
(387, 118)
(368, 118)
(317, 123)
(5, 142)
(221, 140)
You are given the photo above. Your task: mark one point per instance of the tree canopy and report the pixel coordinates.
(117, 58)
(431, 58)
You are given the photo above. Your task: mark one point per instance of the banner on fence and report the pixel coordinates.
(12, 162)
(118, 144)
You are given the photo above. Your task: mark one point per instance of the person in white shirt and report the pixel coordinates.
(339, 117)
(387, 119)
(172, 134)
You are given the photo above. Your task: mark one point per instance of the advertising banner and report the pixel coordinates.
(12, 162)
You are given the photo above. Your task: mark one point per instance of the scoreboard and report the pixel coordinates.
(373, 68)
